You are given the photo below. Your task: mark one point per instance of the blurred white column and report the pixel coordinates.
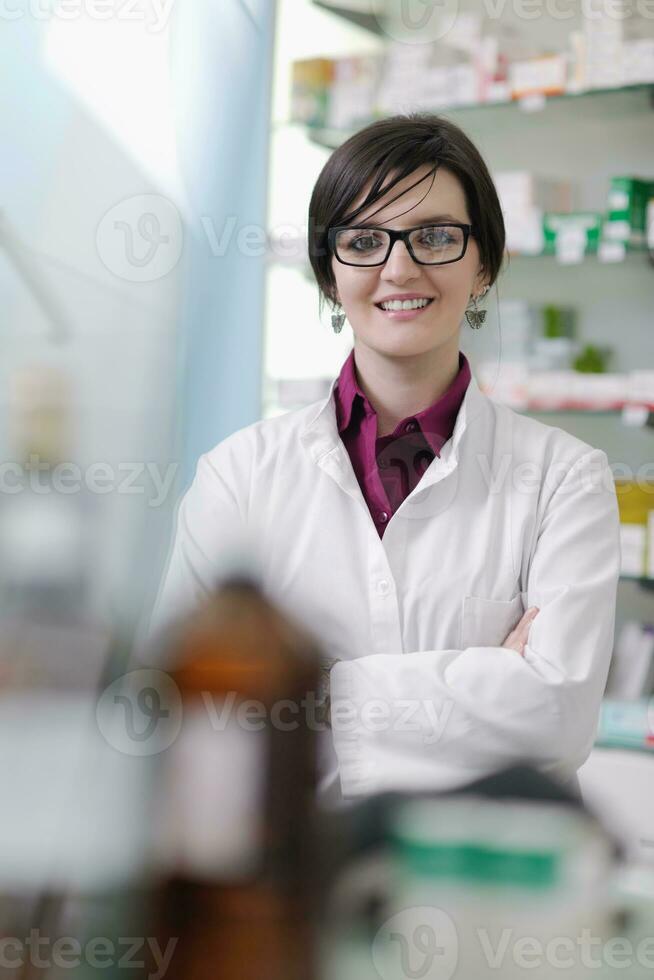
(222, 70)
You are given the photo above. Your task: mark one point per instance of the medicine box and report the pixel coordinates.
(626, 219)
(543, 76)
(572, 235)
(522, 189)
(311, 83)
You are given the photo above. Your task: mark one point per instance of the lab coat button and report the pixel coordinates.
(383, 586)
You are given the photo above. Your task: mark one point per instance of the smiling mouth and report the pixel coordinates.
(411, 309)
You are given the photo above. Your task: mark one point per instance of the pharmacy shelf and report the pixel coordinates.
(625, 748)
(641, 580)
(538, 409)
(591, 103)
(567, 410)
(354, 13)
(542, 413)
(295, 256)
(603, 258)
(538, 412)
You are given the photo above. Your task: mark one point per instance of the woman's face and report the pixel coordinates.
(436, 327)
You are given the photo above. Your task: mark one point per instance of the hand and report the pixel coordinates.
(517, 639)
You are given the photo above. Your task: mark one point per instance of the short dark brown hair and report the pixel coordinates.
(401, 143)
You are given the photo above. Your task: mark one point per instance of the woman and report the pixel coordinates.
(458, 560)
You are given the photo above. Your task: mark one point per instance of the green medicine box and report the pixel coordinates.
(626, 219)
(571, 235)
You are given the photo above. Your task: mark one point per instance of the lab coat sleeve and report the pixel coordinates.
(440, 718)
(209, 531)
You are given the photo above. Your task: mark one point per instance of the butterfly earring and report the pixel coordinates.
(338, 319)
(475, 316)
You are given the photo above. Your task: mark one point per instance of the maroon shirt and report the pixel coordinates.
(388, 468)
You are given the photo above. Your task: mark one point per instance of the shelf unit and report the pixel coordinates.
(586, 136)
(359, 17)
(602, 102)
(642, 580)
(647, 420)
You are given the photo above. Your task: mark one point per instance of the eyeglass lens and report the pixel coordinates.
(432, 244)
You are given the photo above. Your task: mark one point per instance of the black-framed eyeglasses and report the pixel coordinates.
(431, 244)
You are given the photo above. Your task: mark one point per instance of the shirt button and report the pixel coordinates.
(383, 517)
(383, 586)
(411, 426)
(382, 463)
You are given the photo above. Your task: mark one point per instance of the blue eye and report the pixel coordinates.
(437, 238)
(364, 243)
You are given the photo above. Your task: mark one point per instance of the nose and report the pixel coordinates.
(399, 266)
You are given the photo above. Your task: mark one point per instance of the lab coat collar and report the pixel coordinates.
(321, 439)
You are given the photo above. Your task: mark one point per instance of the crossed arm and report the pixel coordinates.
(439, 718)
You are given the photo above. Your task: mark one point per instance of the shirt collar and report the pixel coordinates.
(345, 393)
(436, 422)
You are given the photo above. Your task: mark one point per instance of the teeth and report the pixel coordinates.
(407, 304)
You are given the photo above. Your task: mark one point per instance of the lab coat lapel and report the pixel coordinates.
(448, 480)
(467, 424)
(321, 439)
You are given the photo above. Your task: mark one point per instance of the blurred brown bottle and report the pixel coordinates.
(239, 793)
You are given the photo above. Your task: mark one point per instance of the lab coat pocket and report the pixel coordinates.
(488, 622)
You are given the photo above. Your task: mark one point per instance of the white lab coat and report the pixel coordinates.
(514, 513)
